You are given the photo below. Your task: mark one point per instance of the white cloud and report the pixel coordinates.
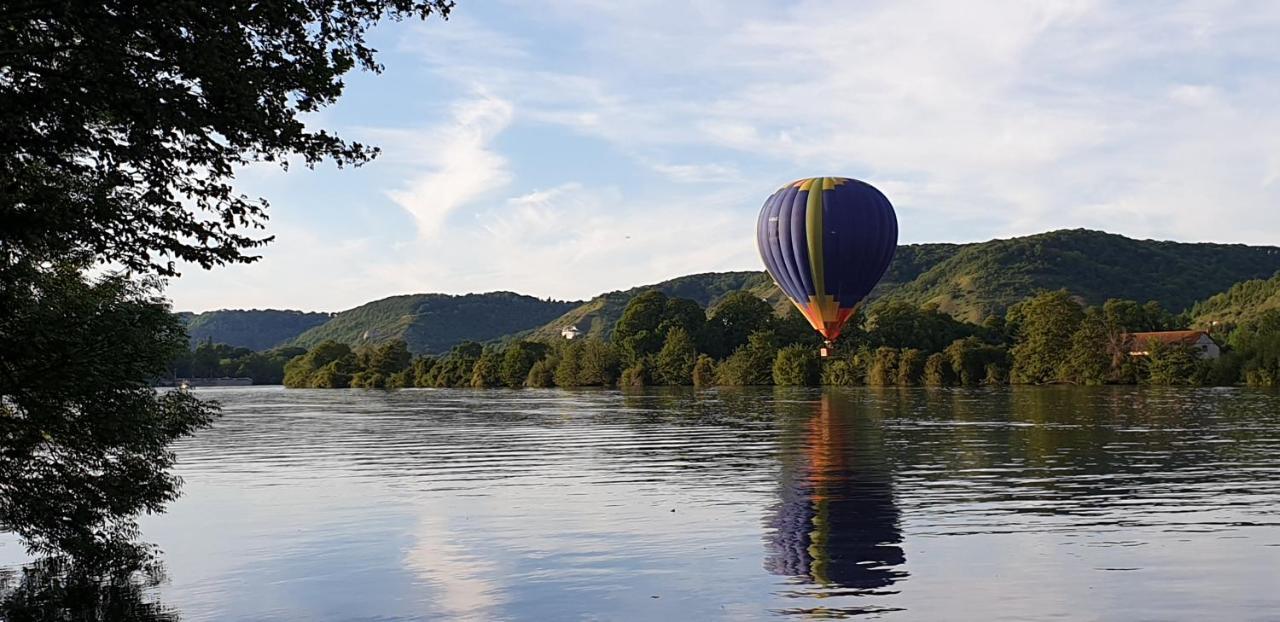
(461, 166)
(978, 120)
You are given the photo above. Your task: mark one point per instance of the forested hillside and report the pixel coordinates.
(432, 323)
(1242, 303)
(969, 281)
(974, 281)
(983, 279)
(256, 329)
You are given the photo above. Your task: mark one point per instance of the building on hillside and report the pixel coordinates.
(1139, 344)
(569, 332)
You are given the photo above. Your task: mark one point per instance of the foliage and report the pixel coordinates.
(1092, 356)
(797, 366)
(1257, 343)
(1045, 324)
(637, 375)
(435, 323)
(598, 364)
(124, 125)
(704, 371)
(1243, 303)
(541, 375)
(567, 369)
(649, 318)
(969, 358)
(1171, 364)
(517, 359)
(750, 364)
(735, 319)
(974, 281)
(883, 371)
(328, 365)
(487, 372)
(903, 325)
(217, 360)
(937, 371)
(85, 437)
(675, 362)
(910, 367)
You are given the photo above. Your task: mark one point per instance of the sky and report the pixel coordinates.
(569, 148)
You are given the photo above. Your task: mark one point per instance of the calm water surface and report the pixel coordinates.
(1036, 504)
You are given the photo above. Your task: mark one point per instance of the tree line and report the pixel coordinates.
(661, 340)
(219, 360)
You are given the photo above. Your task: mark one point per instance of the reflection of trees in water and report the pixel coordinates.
(836, 523)
(54, 589)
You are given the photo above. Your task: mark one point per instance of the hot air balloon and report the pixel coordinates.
(827, 241)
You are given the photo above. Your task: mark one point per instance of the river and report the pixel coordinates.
(896, 504)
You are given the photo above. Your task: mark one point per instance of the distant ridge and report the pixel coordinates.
(433, 323)
(969, 281)
(256, 329)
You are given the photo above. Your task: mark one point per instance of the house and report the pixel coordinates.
(569, 332)
(1138, 344)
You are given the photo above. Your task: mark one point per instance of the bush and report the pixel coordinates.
(796, 366)
(704, 371)
(910, 367)
(541, 375)
(937, 371)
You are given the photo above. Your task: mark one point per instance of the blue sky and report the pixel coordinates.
(581, 146)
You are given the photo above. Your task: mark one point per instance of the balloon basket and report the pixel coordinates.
(826, 350)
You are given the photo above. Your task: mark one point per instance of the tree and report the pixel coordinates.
(334, 358)
(598, 365)
(884, 368)
(637, 375)
(85, 438)
(796, 366)
(487, 372)
(674, 364)
(1046, 324)
(123, 125)
(517, 359)
(455, 369)
(1257, 344)
(636, 332)
(423, 371)
(541, 375)
(1171, 364)
(903, 325)
(751, 364)
(735, 319)
(910, 367)
(704, 371)
(1089, 360)
(567, 369)
(390, 358)
(937, 371)
(969, 358)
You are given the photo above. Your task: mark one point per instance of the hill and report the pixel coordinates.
(982, 279)
(973, 281)
(597, 316)
(256, 329)
(1243, 302)
(433, 323)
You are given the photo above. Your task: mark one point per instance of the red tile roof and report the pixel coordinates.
(1169, 337)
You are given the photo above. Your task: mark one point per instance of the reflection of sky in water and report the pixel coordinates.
(548, 505)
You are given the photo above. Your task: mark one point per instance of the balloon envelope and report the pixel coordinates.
(827, 241)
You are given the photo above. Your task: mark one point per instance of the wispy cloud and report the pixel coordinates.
(644, 142)
(460, 165)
